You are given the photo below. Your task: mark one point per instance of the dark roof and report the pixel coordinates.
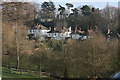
(53, 31)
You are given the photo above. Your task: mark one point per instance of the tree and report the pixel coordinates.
(15, 11)
(86, 10)
(97, 20)
(110, 14)
(62, 11)
(21, 43)
(47, 12)
(75, 11)
(69, 5)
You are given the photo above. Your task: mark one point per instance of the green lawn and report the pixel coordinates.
(15, 74)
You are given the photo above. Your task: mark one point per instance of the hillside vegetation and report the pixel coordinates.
(67, 58)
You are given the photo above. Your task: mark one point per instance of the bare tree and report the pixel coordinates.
(110, 13)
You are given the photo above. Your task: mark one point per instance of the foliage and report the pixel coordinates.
(62, 58)
(47, 12)
(18, 11)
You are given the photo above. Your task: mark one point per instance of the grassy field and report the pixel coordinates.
(6, 73)
(15, 75)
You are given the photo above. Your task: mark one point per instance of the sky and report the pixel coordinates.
(95, 3)
(99, 5)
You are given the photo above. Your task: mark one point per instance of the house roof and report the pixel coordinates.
(53, 31)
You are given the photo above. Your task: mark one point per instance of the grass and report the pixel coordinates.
(6, 73)
(15, 75)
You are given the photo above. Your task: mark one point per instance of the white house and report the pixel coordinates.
(43, 33)
(38, 32)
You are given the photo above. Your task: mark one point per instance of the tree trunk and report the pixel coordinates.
(66, 73)
(18, 55)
